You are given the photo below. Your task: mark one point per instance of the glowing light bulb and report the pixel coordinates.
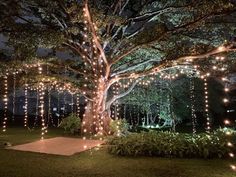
(225, 100)
(226, 122)
(226, 89)
(233, 167)
(229, 144)
(221, 48)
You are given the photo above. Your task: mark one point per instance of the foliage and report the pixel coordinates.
(119, 127)
(101, 163)
(172, 97)
(159, 34)
(168, 144)
(71, 124)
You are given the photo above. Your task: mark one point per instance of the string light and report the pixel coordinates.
(77, 104)
(72, 102)
(5, 100)
(208, 122)
(37, 107)
(50, 119)
(230, 144)
(58, 106)
(63, 107)
(14, 96)
(226, 121)
(26, 106)
(193, 114)
(41, 103)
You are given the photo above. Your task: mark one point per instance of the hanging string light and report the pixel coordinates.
(77, 105)
(49, 88)
(226, 121)
(63, 108)
(14, 96)
(117, 109)
(50, 119)
(58, 107)
(206, 94)
(229, 143)
(26, 106)
(114, 109)
(40, 69)
(41, 102)
(36, 107)
(192, 98)
(5, 100)
(72, 103)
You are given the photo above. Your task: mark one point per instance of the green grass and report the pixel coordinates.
(98, 163)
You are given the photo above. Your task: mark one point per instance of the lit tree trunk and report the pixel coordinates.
(97, 115)
(96, 118)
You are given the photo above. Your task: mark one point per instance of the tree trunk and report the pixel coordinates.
(96, 118)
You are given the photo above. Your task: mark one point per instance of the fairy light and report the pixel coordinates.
(117, 109)
(37, 107)
(230, 144)
(193, 114)
(233, 167)
(50, 119)
(84, 130)
(14, 96)
(77, 104)
(58, 106)
(206, 94)
(113, 110)
(227, 122)
(221, 48)
(63, 107)
(41, 103)
(26, 106)
(5, 100)
(40, 69)
(72, 102)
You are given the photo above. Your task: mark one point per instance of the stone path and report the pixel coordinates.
(58, 146)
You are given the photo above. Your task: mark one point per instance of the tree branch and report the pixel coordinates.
(130, 68)
(116, 97)
(166, 63)
(95, 38)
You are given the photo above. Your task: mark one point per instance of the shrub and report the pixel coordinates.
(119, 127)
(71, 124)
(168, 144)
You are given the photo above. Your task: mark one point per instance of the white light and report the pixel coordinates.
(225, 100)
(221, 48)
(229, 144)
(227, 122)
(226, 89)
(233, 167)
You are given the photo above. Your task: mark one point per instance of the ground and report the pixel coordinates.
(98, 163)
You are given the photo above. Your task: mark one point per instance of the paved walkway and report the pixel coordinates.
(58, 146)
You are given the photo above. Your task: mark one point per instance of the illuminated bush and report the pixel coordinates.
(119, 127)
(168, 144)
(71, 124)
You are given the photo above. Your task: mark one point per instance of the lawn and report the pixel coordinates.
(98, 163)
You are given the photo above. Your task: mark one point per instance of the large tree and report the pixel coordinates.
(111, 41)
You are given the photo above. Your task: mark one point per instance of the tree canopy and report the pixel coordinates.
(104, 42)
